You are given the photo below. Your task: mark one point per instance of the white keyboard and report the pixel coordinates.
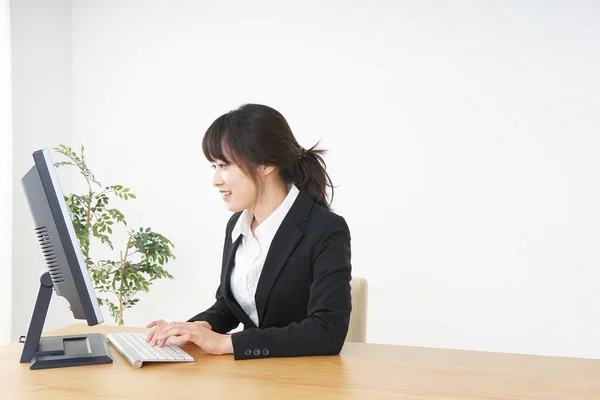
(136, 350)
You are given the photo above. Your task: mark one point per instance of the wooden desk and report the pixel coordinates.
(362, 371)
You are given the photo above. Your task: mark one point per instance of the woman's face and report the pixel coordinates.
(237, 189)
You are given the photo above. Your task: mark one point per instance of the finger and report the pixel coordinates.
(173, 331)
(157, 328)
(181, 340)
(154, 336)
(162, 332)
(162, 342)
(157, 325)
(154, 323)
(158, 331)
(158, 335)
(151, 335)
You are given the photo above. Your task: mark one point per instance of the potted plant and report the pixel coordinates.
(141, 260)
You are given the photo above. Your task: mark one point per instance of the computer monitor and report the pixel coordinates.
(66, 273)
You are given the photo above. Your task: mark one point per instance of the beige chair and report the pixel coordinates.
(357, 331)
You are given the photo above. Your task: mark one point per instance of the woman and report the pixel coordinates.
(286, 260)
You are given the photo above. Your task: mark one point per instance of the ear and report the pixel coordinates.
(266, 170)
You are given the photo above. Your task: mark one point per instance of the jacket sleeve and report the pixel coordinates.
(219, 316)
(324, 330)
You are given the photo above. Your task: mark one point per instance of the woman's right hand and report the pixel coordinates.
(160, 325)
(156, 327)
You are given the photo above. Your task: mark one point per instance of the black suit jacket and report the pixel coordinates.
(303, 294)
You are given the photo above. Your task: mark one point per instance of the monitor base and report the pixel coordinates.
(59, 351)
(70, 351)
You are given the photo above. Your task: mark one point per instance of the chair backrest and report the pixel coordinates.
(357, 331)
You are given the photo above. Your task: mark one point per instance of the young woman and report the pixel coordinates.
(286, 265)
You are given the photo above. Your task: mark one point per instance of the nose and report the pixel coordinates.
(217, 180)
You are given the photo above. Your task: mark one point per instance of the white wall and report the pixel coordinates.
(42, 92)
(462, 135)
(5, 174)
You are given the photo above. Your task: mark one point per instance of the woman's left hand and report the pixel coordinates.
(182, 332)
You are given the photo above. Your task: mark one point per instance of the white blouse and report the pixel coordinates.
(252, 252)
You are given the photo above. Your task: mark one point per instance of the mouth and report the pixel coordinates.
(226, 194)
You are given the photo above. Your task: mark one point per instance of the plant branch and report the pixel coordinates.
(88, 221)
(123, 264)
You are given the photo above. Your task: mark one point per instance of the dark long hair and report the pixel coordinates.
(256, 134)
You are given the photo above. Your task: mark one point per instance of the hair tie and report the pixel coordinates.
(302, 153)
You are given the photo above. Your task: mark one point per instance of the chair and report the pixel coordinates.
(357, 331)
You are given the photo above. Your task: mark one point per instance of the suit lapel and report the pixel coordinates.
(233, 304)
(284, 242)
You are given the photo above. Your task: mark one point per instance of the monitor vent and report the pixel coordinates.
(49, 254)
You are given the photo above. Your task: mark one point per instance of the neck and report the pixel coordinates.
(271, 199)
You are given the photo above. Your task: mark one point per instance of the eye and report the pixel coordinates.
(220, 165)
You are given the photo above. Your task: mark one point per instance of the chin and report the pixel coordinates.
(233, 208)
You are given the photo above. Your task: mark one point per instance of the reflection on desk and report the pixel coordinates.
(362, 371)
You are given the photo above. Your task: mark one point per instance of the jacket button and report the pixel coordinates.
(257, 352)
(248, 352)
(266, 352)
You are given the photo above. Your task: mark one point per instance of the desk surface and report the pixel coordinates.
(362, 371)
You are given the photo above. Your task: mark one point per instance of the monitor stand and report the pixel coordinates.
(59, 351)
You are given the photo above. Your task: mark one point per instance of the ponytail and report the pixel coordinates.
(312, 176)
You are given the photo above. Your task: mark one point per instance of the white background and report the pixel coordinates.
(463, 138)
(5, 174)
(41, 103)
